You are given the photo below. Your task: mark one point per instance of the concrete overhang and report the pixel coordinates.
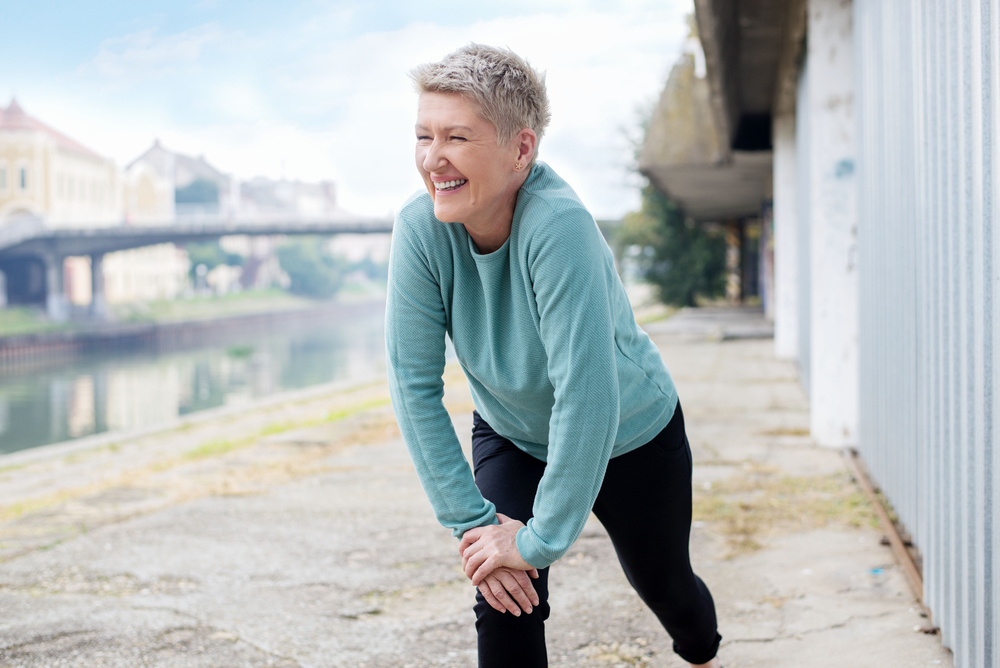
(708, 145)
(734, 189)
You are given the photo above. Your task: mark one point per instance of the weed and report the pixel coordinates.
(745, 508)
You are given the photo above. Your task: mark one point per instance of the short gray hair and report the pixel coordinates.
(510, 93)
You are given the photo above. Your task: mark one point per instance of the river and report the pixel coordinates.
(101, 392)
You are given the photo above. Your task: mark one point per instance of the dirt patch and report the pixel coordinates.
(748, 508)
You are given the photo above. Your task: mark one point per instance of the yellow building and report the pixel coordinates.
(48, 176)
(45, 173)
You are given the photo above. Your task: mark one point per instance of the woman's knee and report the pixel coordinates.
(490, 618)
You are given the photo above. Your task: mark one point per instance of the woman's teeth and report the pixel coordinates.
(450, 185)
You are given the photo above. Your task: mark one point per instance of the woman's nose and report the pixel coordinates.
(433, 158)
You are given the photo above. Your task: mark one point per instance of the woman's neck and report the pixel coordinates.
(489, 236)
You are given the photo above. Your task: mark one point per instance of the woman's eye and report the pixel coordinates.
(457, 138)
(422, 138)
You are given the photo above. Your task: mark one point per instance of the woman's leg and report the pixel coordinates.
(645, 506)
(509, 478)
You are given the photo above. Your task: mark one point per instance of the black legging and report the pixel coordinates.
(645, 506)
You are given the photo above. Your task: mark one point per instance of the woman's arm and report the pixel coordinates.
(571, 276)
(415, 345)
(415, 331)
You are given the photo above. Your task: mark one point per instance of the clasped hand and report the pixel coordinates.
(491, 560)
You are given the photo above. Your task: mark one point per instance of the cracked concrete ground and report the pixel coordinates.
(296, 535)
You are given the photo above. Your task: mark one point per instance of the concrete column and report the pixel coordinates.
(55, 296)
(98, 304)
(734, 251)
(832, 224)
(100, 400)
(786, 241)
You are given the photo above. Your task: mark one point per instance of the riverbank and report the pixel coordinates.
(295, 534)
(20, 321)
(167, 325)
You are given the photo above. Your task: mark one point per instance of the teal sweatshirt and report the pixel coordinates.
(546, 336)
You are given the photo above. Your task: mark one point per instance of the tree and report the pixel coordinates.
(199, 191)
(678, 256)
(313, 273)
(210, 254)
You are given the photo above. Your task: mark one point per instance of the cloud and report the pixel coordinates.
(143, 55)
(601, 66)
(308, 99)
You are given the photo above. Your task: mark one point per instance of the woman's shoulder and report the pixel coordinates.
(551, 206)
(550, 201)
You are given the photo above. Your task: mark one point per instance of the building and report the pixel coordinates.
(866, 137)
(194, 186)
(49, 179)
(261, 196)
(45, 173)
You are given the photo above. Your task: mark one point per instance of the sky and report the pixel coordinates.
(313, 90)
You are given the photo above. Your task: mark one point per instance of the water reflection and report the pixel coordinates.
(103, 393)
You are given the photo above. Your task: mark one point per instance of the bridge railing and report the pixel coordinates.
(206, 218)
(24, 229)
(15, 230)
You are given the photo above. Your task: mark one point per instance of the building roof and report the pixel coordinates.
(180, 168)
(14, 118)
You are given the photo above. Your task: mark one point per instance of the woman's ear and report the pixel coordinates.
(526, 141)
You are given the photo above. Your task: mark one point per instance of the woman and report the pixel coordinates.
(575, 409)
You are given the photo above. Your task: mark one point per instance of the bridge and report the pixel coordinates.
(32, 252)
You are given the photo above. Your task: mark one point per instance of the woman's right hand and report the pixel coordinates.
(510, 590)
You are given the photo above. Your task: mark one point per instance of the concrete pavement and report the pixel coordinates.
(297, 535)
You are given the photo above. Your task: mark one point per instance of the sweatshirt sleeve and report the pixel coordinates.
(566, 260)
(415, 327)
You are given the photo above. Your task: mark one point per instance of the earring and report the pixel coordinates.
(517, 166)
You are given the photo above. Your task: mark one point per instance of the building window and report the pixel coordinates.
(3, 178)
(22, 178)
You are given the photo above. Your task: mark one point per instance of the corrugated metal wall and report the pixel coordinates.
(928, 106)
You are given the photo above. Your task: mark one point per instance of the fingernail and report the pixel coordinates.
(528, 610)
(517, 613)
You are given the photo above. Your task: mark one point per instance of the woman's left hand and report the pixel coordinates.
(487, 548)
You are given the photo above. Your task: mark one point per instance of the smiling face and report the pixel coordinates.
(471, 179)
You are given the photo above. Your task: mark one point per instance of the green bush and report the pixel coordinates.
(199, 191)
(683, 259)
(210, 254)
(313, 273)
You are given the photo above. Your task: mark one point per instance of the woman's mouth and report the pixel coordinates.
(449, 185)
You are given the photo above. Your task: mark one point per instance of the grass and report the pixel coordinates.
(205, 450)
(745, 509)
(209, 307)
(21, 320)
(645, 315)
(19, 508)
(219, 447)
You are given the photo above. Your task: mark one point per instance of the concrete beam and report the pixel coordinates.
(719, 33)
